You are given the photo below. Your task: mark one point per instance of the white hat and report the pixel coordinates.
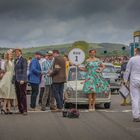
(50, 53)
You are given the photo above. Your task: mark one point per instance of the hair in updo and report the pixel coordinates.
(6, 55)
(92, 50)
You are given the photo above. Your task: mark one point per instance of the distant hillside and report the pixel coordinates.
(46, 48)
(104, 46)
(110, 48)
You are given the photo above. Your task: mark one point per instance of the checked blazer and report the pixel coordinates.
(20, 69)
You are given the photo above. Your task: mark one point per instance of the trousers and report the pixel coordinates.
(35, 90)
(58, 94)
(42, 89)
(48, 93)
(135, 97)
(21, 96)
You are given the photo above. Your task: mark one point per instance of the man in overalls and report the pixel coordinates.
(132, 74)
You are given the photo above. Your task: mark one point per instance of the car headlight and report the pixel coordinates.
(117, 80)
(69, 91)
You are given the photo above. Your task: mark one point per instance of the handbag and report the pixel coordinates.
(124, 91)
(71, 113)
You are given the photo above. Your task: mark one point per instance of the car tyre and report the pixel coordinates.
(107, 105)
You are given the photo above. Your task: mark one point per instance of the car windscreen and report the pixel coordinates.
(72, 74)
(109, 69)
(118, 69)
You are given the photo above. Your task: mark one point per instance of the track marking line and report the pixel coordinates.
(84, 111)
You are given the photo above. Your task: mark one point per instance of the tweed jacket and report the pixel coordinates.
(59, 70)
(20, 69)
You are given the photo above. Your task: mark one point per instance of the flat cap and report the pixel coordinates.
(38, 53)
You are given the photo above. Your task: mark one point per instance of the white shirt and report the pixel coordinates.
(133, 69)
(41, 62)
(42, 84)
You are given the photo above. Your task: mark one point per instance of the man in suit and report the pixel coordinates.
(59, 78)
(34, 78)
(21, 81)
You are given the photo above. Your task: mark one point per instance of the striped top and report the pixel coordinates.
(46, 66)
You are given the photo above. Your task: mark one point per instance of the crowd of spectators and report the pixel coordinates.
(116, 60)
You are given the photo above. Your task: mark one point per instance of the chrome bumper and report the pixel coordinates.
(85, 100)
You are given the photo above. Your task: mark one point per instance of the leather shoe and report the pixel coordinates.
(136, 119)
(25, 113)
(32, 109)
(43, 109)
(18, 112)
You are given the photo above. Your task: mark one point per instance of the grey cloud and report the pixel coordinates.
(37, 22)
(59, 8)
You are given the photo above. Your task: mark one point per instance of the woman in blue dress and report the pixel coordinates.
(94, 82)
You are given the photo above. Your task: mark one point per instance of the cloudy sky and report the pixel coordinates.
(27, 23)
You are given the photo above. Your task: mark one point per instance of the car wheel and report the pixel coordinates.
(107, 105)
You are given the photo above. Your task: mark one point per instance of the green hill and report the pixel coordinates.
(110, 48)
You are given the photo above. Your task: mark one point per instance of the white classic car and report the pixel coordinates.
(70, 90)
